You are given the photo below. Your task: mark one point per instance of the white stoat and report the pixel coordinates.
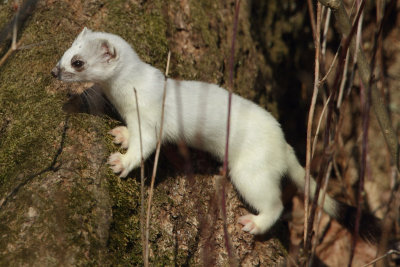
(195, 112)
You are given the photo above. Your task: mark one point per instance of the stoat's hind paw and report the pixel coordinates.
(116, 162)
(121, 136)
(250, 225)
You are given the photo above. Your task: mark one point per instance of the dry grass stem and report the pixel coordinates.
(364, 69)
(23, 11)
(390, 216)
(359, 30)
(317, 45)
(15, 30)
(390, 252)
(330, 68)
(10, 52)
(319, 215)
(312, 17)
(343, 81)
(153, 176)
(319, 126)
(228, 245)
(325, 32)
(142, 212)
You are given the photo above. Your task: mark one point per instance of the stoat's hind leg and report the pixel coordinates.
(259, 224)
(262, 192)
(121, 136)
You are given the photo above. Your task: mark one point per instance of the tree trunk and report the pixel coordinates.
(59, 202)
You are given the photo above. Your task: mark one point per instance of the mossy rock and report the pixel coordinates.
(59, 202)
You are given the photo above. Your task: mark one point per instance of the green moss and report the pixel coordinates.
(125, 240)
(80, 215)
(207, 61)
(6, 14)
(213, 54)
(32, 113)
(142, 25)
(33, 120)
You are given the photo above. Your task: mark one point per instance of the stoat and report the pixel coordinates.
(195, 112)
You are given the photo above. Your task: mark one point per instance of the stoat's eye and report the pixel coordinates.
(77, 64)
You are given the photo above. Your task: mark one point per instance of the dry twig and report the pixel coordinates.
(11, 29)
(153, 176)
(319, 215)
(317, 45)
(142, 213)
(390, 252)
(319, 126)
(229, 248)
(364, 69)
(330, 68)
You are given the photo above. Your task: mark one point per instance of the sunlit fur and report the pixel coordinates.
(195, 112)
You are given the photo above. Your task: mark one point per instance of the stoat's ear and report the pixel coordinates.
(84, 32)
(108, 51)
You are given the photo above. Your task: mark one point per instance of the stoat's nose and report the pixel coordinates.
(55, 72)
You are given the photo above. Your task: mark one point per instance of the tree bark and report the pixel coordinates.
(59, 202)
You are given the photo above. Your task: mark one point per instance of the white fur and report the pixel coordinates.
(195, 112)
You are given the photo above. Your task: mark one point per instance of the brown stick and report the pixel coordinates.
(309, 126)
(142, 213)
(390, 252)
(228, 245)
(364, 69)
(153, 176)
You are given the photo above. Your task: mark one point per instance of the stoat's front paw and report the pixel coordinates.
(121, 136)
(249, 224)
(117, 164)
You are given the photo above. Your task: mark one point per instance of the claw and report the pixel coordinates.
(249, 225)
(121, 136)
(115, 162)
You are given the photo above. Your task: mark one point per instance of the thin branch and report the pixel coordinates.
(29, 46)
(390, 252)
(390, 215)
(142, 212)
(330, 68)
(312, 17)
(18, 46)
(365, 99)
(229, 248)
(231, 62)
(365, 73)
(153, 177)
(328, 147)
(319, 215)
(363, 166)
(325, 33)
(24, 11)
(15, 30)
(343, 81)
(327, 140)
(10, 52)
(317, 45)
(319, 126)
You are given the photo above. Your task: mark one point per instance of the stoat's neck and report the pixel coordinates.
(131, 73)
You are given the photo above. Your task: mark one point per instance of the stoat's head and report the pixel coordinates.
(92, 57)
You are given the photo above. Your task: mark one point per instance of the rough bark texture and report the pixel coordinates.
(61, 205)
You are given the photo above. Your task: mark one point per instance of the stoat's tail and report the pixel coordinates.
(370, 229)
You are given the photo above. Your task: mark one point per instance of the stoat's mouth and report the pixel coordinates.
(89, 100)
(75, 104)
